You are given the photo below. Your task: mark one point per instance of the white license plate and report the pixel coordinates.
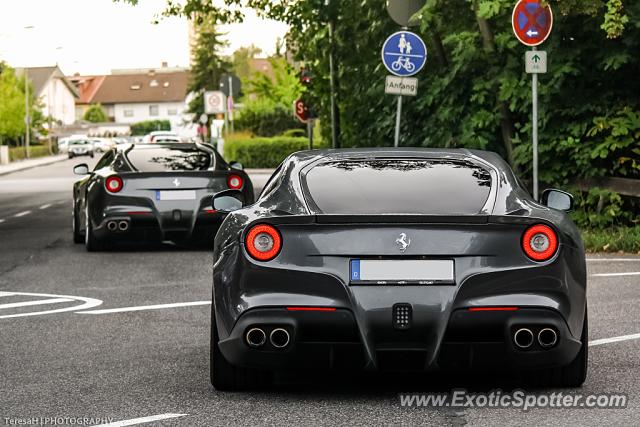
(176, 195)
(417, 272)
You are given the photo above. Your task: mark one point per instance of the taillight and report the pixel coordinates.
(263, 242)
(113, 184)
(235, 182)
(539, 242)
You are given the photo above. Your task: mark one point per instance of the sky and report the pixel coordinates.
(96, 36)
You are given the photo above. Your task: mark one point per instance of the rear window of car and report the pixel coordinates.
(79, 142)
(399, 186)
(169, 159)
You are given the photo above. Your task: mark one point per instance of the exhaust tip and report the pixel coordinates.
(523, 338)
(112, 226)
(279, 338)
(547, 338)
(255, 337)
(123, 225)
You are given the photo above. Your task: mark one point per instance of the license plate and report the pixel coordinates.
(176, 195)
(402, 272)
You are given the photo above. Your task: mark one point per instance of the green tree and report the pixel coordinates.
(208, 63)
(241, 61)
(12, 106)
(96, 114)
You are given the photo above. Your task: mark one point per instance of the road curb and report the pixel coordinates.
(18, 168)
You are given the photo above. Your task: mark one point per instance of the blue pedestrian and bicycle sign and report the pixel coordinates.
(404, 53)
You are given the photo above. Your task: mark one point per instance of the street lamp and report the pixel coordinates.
(27, 119)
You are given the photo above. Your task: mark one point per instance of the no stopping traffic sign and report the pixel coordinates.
(532, 22)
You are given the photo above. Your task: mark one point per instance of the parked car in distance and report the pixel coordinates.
(102, 145)
(162, 136)
(80, 147)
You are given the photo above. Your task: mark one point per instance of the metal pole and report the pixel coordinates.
(230, 102)
(398, 119)
(534, 93)
(310, 123)
(27, 119)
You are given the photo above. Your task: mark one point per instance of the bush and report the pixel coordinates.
(294, 133)
(263, 152)
(18, 153)
(96, 114)
(144, 128)
(616, 239)
(264, 118)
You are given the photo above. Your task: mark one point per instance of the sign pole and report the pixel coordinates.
(534, 96)
(230, 103)
(310, 131)
(396, 143)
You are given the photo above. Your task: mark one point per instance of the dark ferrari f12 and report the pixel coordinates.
(152, 193)
(410, 259)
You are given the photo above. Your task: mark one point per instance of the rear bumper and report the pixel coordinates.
(149, 227)
(331, 340)
(443, 332)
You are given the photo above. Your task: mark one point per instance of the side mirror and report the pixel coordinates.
(557, 199)
(236, 165)
(82, 169)
(228, 201)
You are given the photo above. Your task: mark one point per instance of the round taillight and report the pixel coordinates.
(113, 184)
(263, 242)
(235, 182)
(539, 242)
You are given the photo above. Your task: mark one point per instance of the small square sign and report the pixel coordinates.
(536, 61)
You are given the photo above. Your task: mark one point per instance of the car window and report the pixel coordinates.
(399, 186)
(105, 160)
(161, 159)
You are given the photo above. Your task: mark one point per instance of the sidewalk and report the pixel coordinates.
(31, 163)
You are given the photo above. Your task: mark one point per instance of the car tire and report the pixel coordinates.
(572, 375)
(70, 156)
(91, 242)
(77, 236)
(225, 376)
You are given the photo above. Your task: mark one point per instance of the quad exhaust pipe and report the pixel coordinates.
(256, 337)
(547, 338)
(123, 225)
(523, 338)
(279, 338)
(112, 226)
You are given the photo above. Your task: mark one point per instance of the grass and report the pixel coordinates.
(618, 239)
(18, 153)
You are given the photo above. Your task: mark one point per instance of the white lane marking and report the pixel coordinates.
(48, 205)
(1, 221)
(36, 302)
(18, 215)
(5, 294)
(632, 273)
(86, 304)
(142, 420)
(146, 307)
(613, 259)
(614, 339)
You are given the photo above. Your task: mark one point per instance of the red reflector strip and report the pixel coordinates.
(493, 308)
(311, 309)
(210, 211)
(138, 213)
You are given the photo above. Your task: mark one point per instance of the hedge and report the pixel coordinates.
(18, 153)
(263, 152)
(145, 128)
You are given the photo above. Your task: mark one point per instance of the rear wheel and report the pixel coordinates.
(572, 375)
(91, 242)
(225, 376)
(77, 236)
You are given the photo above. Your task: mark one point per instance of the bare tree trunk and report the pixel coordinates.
(439, 46)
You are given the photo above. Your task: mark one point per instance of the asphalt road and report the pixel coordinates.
(134, 364)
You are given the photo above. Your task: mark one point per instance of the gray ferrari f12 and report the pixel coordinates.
(152, 193)
(410, 259)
